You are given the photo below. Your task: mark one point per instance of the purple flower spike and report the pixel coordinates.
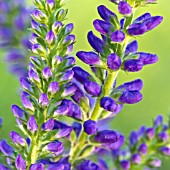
(148, 58)
(53, 87)
(47, 73)
(5, 148)
(133, 85)
(131, 47)
(137, 29)
(136, 159)
(124, 8)
(114, 62)
(117, 36)
(133, 65)
(142, 18)
(163, 136)
(37, 166)
(153, 22)
(20, 163)
(143, 149)
(102, 26)
(130, 97)
(125, 165)
(155, 163)
(49, 125)
(107, 136)
(150, 133)
(55, 147)
(32, 125)
(33, 75)
(25, 83)
(43, 100)
(17, 111)
(105, 13)
(92, 88)
(90, 58)
(68, 75)
(26, 102)
(165, 150)
(90, 127)
(108, 104)
(16, 138)
(158, 121)
(95, 42)
(50, 37)
(81, 75)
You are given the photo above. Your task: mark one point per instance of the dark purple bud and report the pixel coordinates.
(1, 121)
(37, 166)
(6, 149)
(131, 47)
(141, 132)
(77, 128)
(102, 26)
(20, 163)
(26, 102)
(142, 18)
(47, 73)
(125, 165)
(95, 42)
(124, 8)
(49, 125)
(90, 58)
(143, 149)
(57, 26)
(155, 163)
(90, 127)
(108, 104)
(68, 75)
(61, 110)
(130, 97)
(150, 133)
(133, 85)
(158, 121)
(43, 100)
(152, 22)
(92, 88)
(25, 83)
(32, 125)
(53, 87)
(133, 138)
(163, 136)
(105, 13)
(17, 111)
(107, 136)
(117, 36)
(114, 62)
(33, 76)
(70, 90)
(165, 150)
(148, 58)
(81, 75)
(136, 159)
(133, 65)
(69, 28)
(16, 138)
(137, 29)
(122, 23)
(78, 95)
(55, 147)
(50, 37)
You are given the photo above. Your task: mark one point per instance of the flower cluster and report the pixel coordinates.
(57, 92)
(14, 35)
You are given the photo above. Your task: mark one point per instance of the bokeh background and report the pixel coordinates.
(156, 78)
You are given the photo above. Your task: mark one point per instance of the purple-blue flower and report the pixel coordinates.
(92, 88)
(114, 62)
(90, 127)
(117, 36)
(124, 8)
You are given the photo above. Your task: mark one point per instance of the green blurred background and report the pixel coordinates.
(156, 78)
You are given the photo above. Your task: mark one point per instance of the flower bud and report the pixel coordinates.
(17, 139)
(68, 75)
(150, 133)
(61, 110)
(50, 37)
(90, 58)
(158, 121)
(33, 76)
(124, 8)
(133, 138)
(131, 47)
(17, 111)
(137, 29)
(26, 102)
(163, 136)
(165, 150)
(92, 88)
(77, 128)
(56, 27)
(117, 36)
(49, 125)
(125, 165)
(108, 104)
(53, 87)
(70, 90)
(143, 149)
(2, 167)
(69, 49)
(32, 125)
(43, 100)
(155, 163)
(90, 127)
(34, 25)
(37, 49)
(130, 97)
(69, 39)
(37, 166)
(114, 62)
(69, 28)
(57, 60)
(136, 159)
(47, 73)
(25, 83)
(6, 149)
(133, 65)
(40, 16)
(51, 4)
(20, 163)
(95, 42)
(142, 18)
(148, 58)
